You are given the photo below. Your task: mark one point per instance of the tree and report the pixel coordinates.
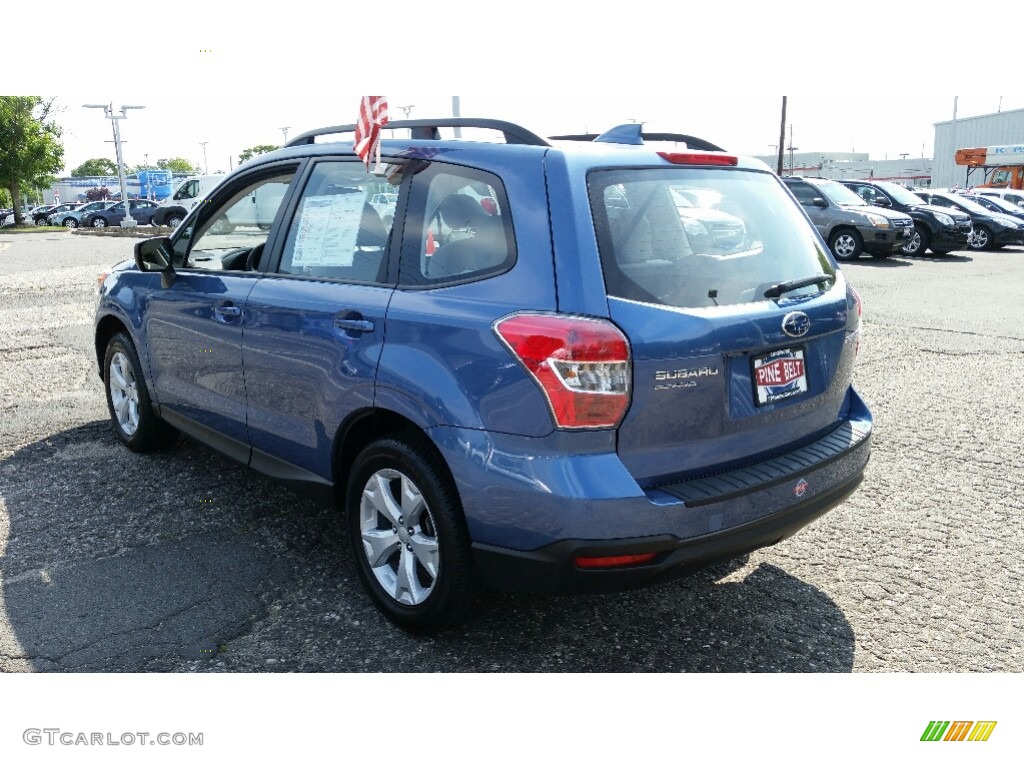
(31, 152)
(177, 165)
(97, 166)
(251, 152)
(97, 193)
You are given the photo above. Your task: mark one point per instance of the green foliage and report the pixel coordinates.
(97, 193)
(31, 152)
(97, 166)
(251, 152)
(178, 165)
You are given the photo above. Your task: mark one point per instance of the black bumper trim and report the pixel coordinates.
(711, 490)
(550, 570)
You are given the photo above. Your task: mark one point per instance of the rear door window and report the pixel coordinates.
(701, 237)
(337, 233)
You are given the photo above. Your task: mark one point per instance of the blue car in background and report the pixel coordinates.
(537, 374)
(73, 219)
(141, 212)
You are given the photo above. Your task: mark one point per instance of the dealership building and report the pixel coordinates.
(996, 129)
(938, 171)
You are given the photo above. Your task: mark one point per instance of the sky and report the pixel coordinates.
(745, 123)
(857, 76)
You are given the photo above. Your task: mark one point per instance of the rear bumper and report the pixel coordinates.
(530, 515)
(551, 569)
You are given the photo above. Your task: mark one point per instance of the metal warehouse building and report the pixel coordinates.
(981, 131)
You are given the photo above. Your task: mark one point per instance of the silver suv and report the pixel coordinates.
(849, 225)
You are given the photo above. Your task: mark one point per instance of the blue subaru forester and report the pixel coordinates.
(553, 365)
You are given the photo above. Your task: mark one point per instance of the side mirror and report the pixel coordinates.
(819, 202)
(883, 202)
(156, 255)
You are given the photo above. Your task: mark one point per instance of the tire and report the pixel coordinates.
(131, 411)
(418, 568)
(97, 222)
(919, 242)
(70, 223)
(981, 239)
(846, 244)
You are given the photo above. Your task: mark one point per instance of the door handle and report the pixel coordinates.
(228, 311)
(353, 325)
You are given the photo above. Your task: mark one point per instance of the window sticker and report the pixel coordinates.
(328, 227)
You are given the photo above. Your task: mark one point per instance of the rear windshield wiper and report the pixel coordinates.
(791, 285)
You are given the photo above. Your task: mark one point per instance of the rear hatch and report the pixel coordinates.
(742, 345)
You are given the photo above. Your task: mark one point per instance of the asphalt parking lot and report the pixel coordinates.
(185, 561)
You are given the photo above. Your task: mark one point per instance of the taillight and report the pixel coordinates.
(582, 365)
(699, 158)
(860, 314)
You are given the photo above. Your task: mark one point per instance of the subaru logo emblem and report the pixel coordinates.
(796, 324)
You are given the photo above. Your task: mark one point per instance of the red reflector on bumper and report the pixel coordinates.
(614, 562)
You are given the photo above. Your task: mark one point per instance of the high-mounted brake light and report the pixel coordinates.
(699, 158)
(581, 364)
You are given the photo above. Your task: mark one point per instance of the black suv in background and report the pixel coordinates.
(991, 230)
(939, 229)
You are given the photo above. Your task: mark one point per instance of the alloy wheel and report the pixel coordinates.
(399, 537)
(845, 246)
(913, 246)
(124, 393)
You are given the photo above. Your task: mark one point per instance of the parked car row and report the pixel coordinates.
(881, 218)
(990, 229)
(73, 218)
(100, 213)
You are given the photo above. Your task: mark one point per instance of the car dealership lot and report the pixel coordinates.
(184, 560)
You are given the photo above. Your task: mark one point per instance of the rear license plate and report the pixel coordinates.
(779, 375)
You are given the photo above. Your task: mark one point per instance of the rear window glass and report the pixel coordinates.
(701, 237)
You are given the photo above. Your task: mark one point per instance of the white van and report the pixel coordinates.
(186, 195)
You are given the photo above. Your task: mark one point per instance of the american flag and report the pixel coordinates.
(373, 114)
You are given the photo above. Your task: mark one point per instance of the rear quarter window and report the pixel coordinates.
(458, 228)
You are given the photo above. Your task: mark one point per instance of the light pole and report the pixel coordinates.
(407, 109)
(206, 164)
(791, 149)
(108, 112)
(285, 132)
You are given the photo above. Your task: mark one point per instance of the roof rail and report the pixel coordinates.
(428, 129)
(632, 133)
